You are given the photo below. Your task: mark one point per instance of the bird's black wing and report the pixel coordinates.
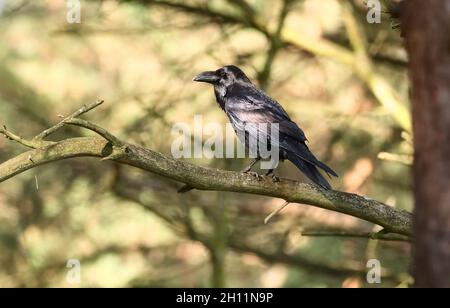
(261, 108)
(254, 106)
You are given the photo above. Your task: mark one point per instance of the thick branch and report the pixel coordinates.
(393, 220)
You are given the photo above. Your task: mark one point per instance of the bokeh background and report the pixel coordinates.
(340, 78)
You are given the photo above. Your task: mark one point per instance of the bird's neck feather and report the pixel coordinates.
(220, 92)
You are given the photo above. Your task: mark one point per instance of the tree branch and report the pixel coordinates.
(25, 142)
(366, 235)
(95, 128)
(275, 45)
(393, 220)
(77, 113)
(129, 188)
(364, 70)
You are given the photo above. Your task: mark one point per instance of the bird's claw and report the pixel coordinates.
(275, 178)
(272, 175)
(254, 174)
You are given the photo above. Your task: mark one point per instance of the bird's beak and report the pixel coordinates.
(209, 77)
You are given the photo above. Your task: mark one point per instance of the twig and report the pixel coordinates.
(77, 113)
(95, 128)
(269, 217)
(367, 235)
(405, 159)
(38, 141)
(34, 144)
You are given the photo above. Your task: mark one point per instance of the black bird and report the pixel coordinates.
(244, 103)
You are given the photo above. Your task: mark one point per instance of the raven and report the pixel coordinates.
(244, 103)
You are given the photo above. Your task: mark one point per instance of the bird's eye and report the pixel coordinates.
(222, 74)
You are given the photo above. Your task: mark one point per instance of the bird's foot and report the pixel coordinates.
(254, 174)
(275, 178)
(249, 167)
(271, 174)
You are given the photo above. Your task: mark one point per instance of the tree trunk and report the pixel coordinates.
(426, 28)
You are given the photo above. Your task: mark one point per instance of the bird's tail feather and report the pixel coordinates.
(301, 151)
(325, 168)
(309, 170)
(313, 160)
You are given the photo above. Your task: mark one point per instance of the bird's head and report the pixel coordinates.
(224, 76)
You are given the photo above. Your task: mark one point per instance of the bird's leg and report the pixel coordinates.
(249, 168)
(269, 172)
(274, 177)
